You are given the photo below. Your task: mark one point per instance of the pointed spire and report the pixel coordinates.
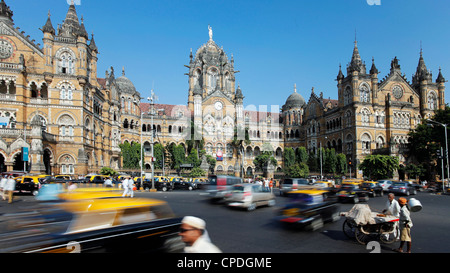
(5, 12)
(71, 24)
(440, 78)
(82, 30)
(295, 88)
(340, 75)
(48, 27)
(239, 94)
(422, 71)
(356, 63)
(92, 45)
(373, 69)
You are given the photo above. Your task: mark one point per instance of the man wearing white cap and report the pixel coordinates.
(194, 234)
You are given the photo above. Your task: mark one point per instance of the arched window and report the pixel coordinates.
(365, 140)
(364, 93)
(66, 92)
(365, 116)
(348, 95)
(432, 100)
(66, 64)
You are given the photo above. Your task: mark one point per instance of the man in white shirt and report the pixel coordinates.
(125, 187)
(2, 187)
(392, 206)
(194, 234)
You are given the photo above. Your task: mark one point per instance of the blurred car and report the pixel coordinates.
(93, 225)
(309, 209)
(404, 188)
(352, 193)
(291, 184)
(219, 186)
(249, 196)
(30, 184)
(372, 187)
(180, 183)
(415, 184)
(385, 184)
(323, 184)
(160, 184)
(200, 182)
(352, 181)
(96, 179)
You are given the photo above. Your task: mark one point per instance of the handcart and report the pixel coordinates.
(364, 225)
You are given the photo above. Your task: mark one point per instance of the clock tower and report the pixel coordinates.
(213, 98)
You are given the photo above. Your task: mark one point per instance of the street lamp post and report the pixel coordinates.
(446, 149)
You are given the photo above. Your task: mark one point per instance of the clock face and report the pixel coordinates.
(218, 105)
(6, 49)
(397, 91)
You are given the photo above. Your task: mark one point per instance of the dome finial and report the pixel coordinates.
(295, 88)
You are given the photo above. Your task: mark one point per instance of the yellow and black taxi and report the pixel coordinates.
(352, 193)
(309, 209)
(111, 225)
(372, 187)
(96, 178)
(30, 183)
(161, 183)
(352, 181)
(183, 183)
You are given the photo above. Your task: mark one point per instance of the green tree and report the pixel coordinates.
(178, 156)
(313, 162)
(341, 164)
(197, 172)
(379, 166)
(158, 150)
(297, 170)
(193, 158)
(330, 161)
(289, 157)
(262, 160)
(212, 162)
(301, 155)
(108, 171)
(131, 155)
(414, 171)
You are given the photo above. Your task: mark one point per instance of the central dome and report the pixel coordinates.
(125, 85)
(295, 100)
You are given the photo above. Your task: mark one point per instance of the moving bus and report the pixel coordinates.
(219, 185)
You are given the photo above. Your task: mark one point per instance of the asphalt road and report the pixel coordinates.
(239, 231)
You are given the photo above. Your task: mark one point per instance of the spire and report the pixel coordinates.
(340, 75)
(82, 30)
(356, 63)
(5, 12)
(71, 24)
(440, 78)
(422, 72)
(373, 69)
(48, 27)
(92, 45)
(239, 94)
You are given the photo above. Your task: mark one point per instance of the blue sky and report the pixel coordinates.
(275, 43)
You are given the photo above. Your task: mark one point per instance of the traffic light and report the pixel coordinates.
(350, 162)
(438, 153)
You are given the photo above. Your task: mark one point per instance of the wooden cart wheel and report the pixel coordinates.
(362, 236)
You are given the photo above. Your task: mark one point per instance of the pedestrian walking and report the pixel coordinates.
(193, 233)
(125, 187)
(271, 185)
(131, 187)
(9, 188)
(2, 186)
(405, 226)
(108, 182)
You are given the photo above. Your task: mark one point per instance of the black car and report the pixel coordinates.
(373, 188)
(159, 185)
(309, 209)
(352, 193)
(180, 183)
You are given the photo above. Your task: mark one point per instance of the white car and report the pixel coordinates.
(249, 196)
(385, 184)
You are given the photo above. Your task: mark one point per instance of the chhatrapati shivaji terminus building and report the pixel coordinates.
(53, 103)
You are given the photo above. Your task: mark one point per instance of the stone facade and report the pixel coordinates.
(73, 121)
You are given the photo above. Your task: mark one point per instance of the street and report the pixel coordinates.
(240, 231)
